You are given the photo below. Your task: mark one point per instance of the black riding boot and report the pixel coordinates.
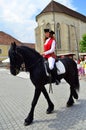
(55, 76)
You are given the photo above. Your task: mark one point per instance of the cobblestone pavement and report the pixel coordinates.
(15, 100)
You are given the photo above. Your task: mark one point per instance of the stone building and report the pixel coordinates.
(5, 42)
(69, 26)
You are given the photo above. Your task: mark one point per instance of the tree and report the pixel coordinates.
(83, 44)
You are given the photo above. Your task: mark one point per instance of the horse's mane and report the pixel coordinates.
(30, 51)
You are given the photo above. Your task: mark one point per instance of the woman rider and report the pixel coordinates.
(49, 52)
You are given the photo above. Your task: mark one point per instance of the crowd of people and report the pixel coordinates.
(81, 65)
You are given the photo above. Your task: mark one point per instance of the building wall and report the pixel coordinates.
(82, 28)
(39, 31)
(3, 52)
(71, 30)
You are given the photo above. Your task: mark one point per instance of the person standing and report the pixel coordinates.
(49, 52)
(85, 65)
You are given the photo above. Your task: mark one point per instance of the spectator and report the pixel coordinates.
(85, 65)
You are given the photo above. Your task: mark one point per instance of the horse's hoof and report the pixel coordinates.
(69, 104)
(76, 96)
(50, 109)
(29, 122)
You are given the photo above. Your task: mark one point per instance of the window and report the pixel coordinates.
(58, 37)
(48, 26)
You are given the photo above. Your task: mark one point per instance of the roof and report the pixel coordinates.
(6, 39)
(57, 7)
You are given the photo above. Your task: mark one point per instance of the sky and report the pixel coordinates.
(18, 17)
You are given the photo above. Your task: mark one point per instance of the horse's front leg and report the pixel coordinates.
(50, 104)
(30, 117)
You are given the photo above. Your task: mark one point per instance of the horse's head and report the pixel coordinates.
(16, 59)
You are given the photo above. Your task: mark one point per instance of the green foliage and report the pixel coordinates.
(83, 44)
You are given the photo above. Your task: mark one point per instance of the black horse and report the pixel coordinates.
(34, 63)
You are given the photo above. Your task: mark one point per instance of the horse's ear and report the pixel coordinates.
(13, 46)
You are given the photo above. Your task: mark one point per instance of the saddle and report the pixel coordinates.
(58, 66)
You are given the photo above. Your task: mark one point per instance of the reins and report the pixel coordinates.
(31, 66)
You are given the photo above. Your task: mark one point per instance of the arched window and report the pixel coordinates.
(58, 36)
(48, 26)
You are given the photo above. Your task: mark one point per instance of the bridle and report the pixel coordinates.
(23, 64)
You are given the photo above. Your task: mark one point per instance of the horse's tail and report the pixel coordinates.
(72, 73)
(72, 76)
(75, 82)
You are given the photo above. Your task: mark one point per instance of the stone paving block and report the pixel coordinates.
(16, 95)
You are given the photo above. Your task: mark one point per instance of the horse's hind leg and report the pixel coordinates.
(70, 100)
(74, 92)
(50, 104)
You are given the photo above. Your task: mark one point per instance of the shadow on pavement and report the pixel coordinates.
(68, 118)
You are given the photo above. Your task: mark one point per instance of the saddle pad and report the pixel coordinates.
(60, 67)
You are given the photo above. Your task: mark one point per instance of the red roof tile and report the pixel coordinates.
(6, 39)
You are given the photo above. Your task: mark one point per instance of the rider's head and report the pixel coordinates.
(48, 33)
